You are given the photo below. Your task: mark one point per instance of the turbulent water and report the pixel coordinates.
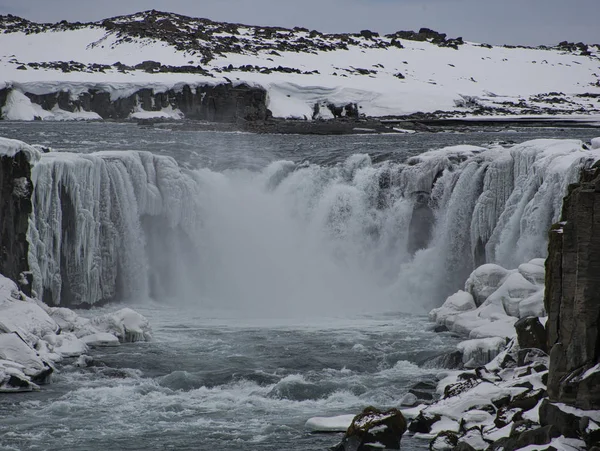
(271, 262)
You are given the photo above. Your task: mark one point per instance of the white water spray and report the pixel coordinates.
(292, 238)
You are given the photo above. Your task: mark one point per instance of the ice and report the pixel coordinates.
(533, 273)
(338, 423)
(33, 336)
(480, 351)
(101, 339)
(15, 349)
(457, 303)
(165, 113)
(485, 280)
(68, 345)
(595, 143)
(126, 324)
(533, 305)
(11, 147)
(510, 294)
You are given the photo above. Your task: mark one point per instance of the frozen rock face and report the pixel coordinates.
(210, 102)
(15, 192)
(146, 227)
(572, 287)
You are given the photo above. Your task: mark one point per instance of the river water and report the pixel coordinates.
(220, 377)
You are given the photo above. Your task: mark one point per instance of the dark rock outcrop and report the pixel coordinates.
(219, 103)
(15, 200)
(374, 426)
(531, 333)
(571, 298)
(421, 224)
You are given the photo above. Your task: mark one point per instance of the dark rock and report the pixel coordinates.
(566, 423)
(422, 395)
(460, 387)
(502, 401)
(15, 194)
(421, 224)
(440, 328)
(423, 422)
(539, 436)
(590, 431)
(445, 440)
(571, 297)
(374, 426)
(519, 427)
(451, 361)
(507, 415)
(531, 333)
(528, 400)
(220, 103)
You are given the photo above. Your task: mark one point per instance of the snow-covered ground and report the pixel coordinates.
(383, 75)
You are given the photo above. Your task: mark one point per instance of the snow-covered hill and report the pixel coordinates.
(302, 71)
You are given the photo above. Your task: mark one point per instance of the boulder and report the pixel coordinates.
(531, 333)
(422, 423)
(374, 428)
(484, 281)
(459, 302)
(565, 422)
(101, 339)
(533, 272)
(480, 351)
(444, 441)
(14, 349)
(533, 305)
(513, 290)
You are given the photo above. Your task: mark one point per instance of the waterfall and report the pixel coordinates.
(292, 237)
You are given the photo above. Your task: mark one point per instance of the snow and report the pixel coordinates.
(436, 78)
(533, 305)
(595, 143)
(101, 339)
(592, 370)
(68, 345)
(480, 351)
(34, 336)
(460, 301)
(593, 414)
(165, 113)
(484, 280)
(11, 147)
(338, 423)
(18, 107)
(15, 349)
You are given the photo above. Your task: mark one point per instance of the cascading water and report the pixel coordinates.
(293, 237)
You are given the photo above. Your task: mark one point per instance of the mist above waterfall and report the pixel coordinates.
(292, 239)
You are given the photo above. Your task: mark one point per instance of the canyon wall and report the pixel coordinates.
(572, 297)
(224, 102)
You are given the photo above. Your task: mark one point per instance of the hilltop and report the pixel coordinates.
(304, 73)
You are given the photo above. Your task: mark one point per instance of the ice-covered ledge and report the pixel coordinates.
(34, 337)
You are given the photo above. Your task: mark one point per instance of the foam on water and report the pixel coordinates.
(251, 384)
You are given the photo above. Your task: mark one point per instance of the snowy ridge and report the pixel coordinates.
(147, 227)
(396, 74)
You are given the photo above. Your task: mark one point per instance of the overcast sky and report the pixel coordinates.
(530, 22)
